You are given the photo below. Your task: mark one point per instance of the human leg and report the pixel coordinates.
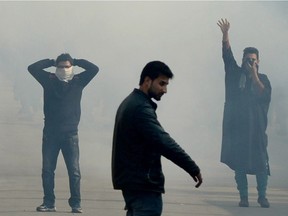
(262, 180)
(70, 151)
(143, 203)
(242, 186)
(50, 152)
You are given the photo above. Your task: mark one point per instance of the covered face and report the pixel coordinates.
(250, 60)
(64, 71)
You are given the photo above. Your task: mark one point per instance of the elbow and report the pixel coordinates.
(95, 70)
(30, 68)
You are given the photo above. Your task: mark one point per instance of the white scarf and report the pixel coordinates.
(64, 74)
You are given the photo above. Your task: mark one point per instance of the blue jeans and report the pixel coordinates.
(51, 146)
(143, 203)
(242, 183)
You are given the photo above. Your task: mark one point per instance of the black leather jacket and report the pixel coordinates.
(138, 143)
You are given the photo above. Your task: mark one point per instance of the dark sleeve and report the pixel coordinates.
(37, 70)
(149, 127)
(265, 97)
(228, 58)
(90, 70)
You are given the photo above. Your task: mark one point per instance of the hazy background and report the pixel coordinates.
(121, 37)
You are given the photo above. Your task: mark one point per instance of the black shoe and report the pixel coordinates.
(263, 202)
(244, 202)
(77, 210)
(44, 208)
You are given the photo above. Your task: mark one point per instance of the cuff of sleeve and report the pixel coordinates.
(196, 171)
(226, 44)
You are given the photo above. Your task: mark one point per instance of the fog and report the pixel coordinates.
(121, 37)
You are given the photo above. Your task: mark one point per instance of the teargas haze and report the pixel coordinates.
(121, 37)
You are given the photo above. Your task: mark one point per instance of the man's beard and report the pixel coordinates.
(153, 95)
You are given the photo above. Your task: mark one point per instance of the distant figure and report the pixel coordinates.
(62, 96)
(247, 99)
(139, 141)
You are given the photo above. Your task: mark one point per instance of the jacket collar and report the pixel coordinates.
(139, 92)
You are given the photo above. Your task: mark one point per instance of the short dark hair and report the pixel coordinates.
(251, 50)
(154, 69)
(64, 57)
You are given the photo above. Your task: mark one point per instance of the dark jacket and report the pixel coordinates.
(244, 138)
(138, 143)
(62, 99)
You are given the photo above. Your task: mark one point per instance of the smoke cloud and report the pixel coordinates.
(121, 37)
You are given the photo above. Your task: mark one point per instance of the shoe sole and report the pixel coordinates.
(46, 210)
(76, 211)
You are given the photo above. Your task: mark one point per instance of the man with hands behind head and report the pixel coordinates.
(244, 138)
(62, 97)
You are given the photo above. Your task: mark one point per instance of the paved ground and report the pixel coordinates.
(20, 195)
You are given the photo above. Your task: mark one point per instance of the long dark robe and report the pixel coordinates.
(244, 138)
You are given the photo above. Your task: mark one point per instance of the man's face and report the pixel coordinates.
(250, 58)
(64, 64)
(158, 87)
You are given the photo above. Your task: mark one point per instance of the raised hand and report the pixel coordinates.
(224, 25)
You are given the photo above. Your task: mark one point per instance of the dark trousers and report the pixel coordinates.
(143, 203)
(242, 183)
(51, 146)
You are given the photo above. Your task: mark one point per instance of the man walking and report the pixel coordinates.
(139, 141)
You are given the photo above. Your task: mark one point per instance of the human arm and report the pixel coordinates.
(252, 69)
(224, 26)
(90, 70)
(154, 135)
(264, 94)
(37, 69)
(227, 54)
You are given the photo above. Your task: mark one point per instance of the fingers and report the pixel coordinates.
(198, 184)
(219, 23)
(223, 22)
(198, 179)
